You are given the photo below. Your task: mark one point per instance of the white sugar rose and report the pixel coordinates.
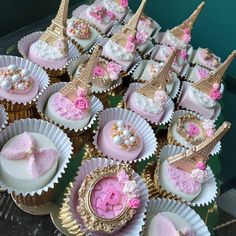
(131, 189)
(199, 175)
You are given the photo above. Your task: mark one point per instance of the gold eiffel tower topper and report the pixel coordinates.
(55, 34)
(188, 160)
(159, 82)
(130, 29)
(178, 31)
(205, 85)
(84, 79)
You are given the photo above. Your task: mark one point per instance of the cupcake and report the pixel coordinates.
(33, 156)
(3, 118)
(180, 36)
(50, 49)
(83, 35)
(168, 217)
(21, 82)
(71, 105)
(151, 100)
(107, 197)
(121, 47)
(97, 15)
(204, 57)
(149, 69)
(122, 135)
(197, 73)
(202, 96)
(185, 173)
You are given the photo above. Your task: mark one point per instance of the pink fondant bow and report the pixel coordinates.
(24, 147)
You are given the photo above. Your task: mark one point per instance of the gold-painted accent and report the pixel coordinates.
(188, 160)
(205, 85)
(57, 30)
(178, 31)
(91, 221)
(91, 152)
(130, 29)
(210, 211)
(159, 82)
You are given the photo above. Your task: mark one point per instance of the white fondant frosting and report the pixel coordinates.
(174, 41)
(113, 6)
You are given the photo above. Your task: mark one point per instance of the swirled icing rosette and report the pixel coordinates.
(124, 212)
(163, 113)
(125, 136)
(169, 216)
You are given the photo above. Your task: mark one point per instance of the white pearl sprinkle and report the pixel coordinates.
(12, 67)
(117, 140)
(25, 72)
(21, 87)
(127, 142)
(126, 133)
(26, 78)
(6, 85)
(15, 78)
(120, 123)
(132, 139)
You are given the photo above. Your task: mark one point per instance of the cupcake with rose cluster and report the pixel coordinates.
(107, 197)
(203, 96)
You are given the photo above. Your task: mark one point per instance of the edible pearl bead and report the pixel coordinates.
(15, 78)
(120, 123)
(6, 85)
(25, 72)
(132, 139)
(126, 132)
(21, 87)
(12, 67)
(127, 142)
(117, 140)
(26, 78)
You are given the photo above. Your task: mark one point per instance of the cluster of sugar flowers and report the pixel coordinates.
(215, 93)
(203, 73)
(209, 126)
(102, 15)
(200, 174)
(193, 130)
(79, 29)
(187, 35)
(130, 188)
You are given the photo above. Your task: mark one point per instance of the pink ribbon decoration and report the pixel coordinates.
(24, 147)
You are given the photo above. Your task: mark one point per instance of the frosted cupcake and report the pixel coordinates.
(106, 197)
(185, 173)
(21, 82)
(121, 47)
(81, 33)
(151, 100)
(204, 57)
(202, 96)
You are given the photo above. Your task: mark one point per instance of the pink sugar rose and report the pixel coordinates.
(203, 73)
(130, 47)
(187, 35)
(215, 86)
(112, 66)
(82, 103)
(98, 71)
(122, 177)
(124, 3)
(111, 15)
(193, 130)
(201, 165)
(141, 37)
(210, 132)
(130, 38)
(215, 94)
(81, 93)
(134, 203)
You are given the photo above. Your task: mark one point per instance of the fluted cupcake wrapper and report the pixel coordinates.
(70, 217)
(18, 111)
(142, 127)
(182, 210)
(169, 106)
(3, 118)
(24, 46)
(60, 140)
(209, 188)
(173, 141)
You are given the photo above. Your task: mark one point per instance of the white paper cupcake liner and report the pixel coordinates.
(134, 226)
(73, 65)
(180, 113)
(158, 205)
(56, 135)
(183, 90)
(3, 118)
(209, 188)
(169, 106)
(35, 71)
(142, 127)
(25, 43)
(96, 107)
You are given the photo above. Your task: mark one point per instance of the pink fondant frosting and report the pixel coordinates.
(183, 180)
(25, 147)
(70, 110)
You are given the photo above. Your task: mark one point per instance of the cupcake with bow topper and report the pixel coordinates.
(121, 47)
(151, 100)
(3, 118)
(50, 49)
(203, 95)
(21, 83)
(107, 197)
(71, 105)
(184, 172)
(188, 129)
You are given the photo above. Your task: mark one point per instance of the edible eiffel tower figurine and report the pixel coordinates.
(56, 32)
(188, 160)
(84, 79)
(215, 77)
(159, 82)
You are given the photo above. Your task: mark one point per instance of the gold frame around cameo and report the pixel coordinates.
(91, 220)
(182, 132)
